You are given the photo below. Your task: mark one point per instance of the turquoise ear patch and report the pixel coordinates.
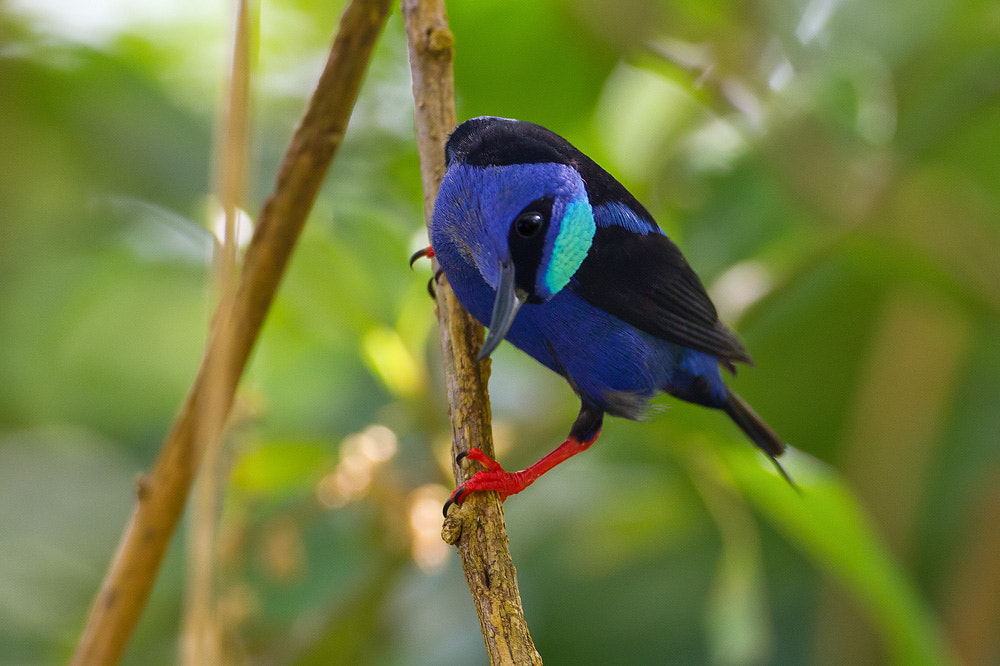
(576, 234)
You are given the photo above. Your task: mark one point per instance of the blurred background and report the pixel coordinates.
(829, 167)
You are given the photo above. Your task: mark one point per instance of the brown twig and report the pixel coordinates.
(163, 493)
(478, 530)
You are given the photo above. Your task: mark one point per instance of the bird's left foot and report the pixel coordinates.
(492, 478)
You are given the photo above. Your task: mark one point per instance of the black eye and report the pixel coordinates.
(528, 224)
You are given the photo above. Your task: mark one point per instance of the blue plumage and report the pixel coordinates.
(611, 364)
(555, 256)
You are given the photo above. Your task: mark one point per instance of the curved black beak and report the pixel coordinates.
(509, 300)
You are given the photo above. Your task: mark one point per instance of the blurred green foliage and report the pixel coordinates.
(829, 167)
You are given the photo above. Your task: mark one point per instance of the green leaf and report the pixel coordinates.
(828, 523)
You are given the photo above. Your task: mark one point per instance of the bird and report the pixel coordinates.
(554, 255)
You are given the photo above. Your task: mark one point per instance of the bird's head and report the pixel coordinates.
(514, 204)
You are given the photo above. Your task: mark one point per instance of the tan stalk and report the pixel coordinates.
(202, 637)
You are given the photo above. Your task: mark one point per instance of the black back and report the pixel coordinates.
(491, 141)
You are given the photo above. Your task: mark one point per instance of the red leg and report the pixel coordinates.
(584, 433)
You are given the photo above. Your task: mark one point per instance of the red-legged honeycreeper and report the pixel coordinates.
(553, 254)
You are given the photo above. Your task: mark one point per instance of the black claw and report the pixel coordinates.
(420, 254)
(456, 499)
(460, 457)
(433, 281)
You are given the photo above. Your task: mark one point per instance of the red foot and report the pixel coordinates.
(492, 478)
(584, 432)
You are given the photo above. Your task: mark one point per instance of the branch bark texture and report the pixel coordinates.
(162, 494)
(477, 529)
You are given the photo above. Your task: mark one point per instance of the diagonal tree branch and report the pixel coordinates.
(478, 530)
(163, 493)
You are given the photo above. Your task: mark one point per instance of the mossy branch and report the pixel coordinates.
(477, 529)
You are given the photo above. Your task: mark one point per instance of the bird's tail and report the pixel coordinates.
(759, 432)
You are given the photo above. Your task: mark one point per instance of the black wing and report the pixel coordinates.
(644, 280)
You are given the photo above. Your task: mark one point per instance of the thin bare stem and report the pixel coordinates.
(202, 637)
(163, 493)
(478, 530)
